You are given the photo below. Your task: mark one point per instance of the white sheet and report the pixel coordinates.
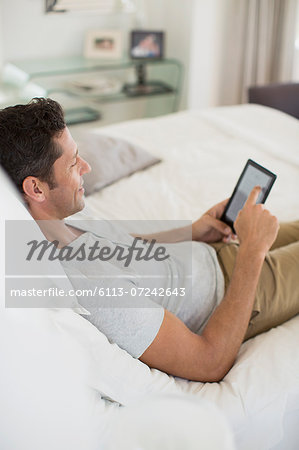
(203, 154)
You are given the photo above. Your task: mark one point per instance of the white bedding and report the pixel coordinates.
(203, 154)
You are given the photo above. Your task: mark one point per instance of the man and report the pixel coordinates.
(245, 288)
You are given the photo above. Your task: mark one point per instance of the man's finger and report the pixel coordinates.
(224, 202)
(220, 226)
(219, 208)
(253, 196)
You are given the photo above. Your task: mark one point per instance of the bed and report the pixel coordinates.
(202, 155)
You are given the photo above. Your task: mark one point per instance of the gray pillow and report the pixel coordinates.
(110, 159)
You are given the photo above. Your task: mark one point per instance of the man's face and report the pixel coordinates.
(68, 196)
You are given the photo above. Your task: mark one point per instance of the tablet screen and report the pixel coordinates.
(253, 175)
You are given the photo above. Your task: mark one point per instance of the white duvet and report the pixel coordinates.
(203, 154)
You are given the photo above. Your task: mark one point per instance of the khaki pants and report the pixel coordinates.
(277, 294)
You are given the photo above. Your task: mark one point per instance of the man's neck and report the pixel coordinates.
(55, 229)
(58, 230)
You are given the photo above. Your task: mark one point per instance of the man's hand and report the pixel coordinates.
(256, 227)
(209, 228)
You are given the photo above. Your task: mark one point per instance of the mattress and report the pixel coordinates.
(203, 153)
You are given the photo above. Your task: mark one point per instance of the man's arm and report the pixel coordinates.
(208, 228)
(178, 351)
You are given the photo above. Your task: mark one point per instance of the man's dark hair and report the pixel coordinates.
(27, 147)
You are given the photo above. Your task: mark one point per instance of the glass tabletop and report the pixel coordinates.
(55, 66)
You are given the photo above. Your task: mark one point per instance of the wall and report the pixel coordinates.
(296, 56)
(175, 17)
(206, 52)
(41, 35)
(1, 45)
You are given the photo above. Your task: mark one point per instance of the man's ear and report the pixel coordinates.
(34, 189)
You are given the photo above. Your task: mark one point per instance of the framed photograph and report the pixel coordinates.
(147, 44)
(103, 44)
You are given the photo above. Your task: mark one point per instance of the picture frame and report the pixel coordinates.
(147, 44)
(103, 44)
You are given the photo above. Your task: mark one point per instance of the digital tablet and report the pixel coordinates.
(253, 175)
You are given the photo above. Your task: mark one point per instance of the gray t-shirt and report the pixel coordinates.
(127, 303)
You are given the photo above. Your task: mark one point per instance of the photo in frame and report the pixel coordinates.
(103, 44)
(147, 44)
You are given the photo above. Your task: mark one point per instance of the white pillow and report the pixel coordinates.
(19, 228)
(171, 422)
(44, 375)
